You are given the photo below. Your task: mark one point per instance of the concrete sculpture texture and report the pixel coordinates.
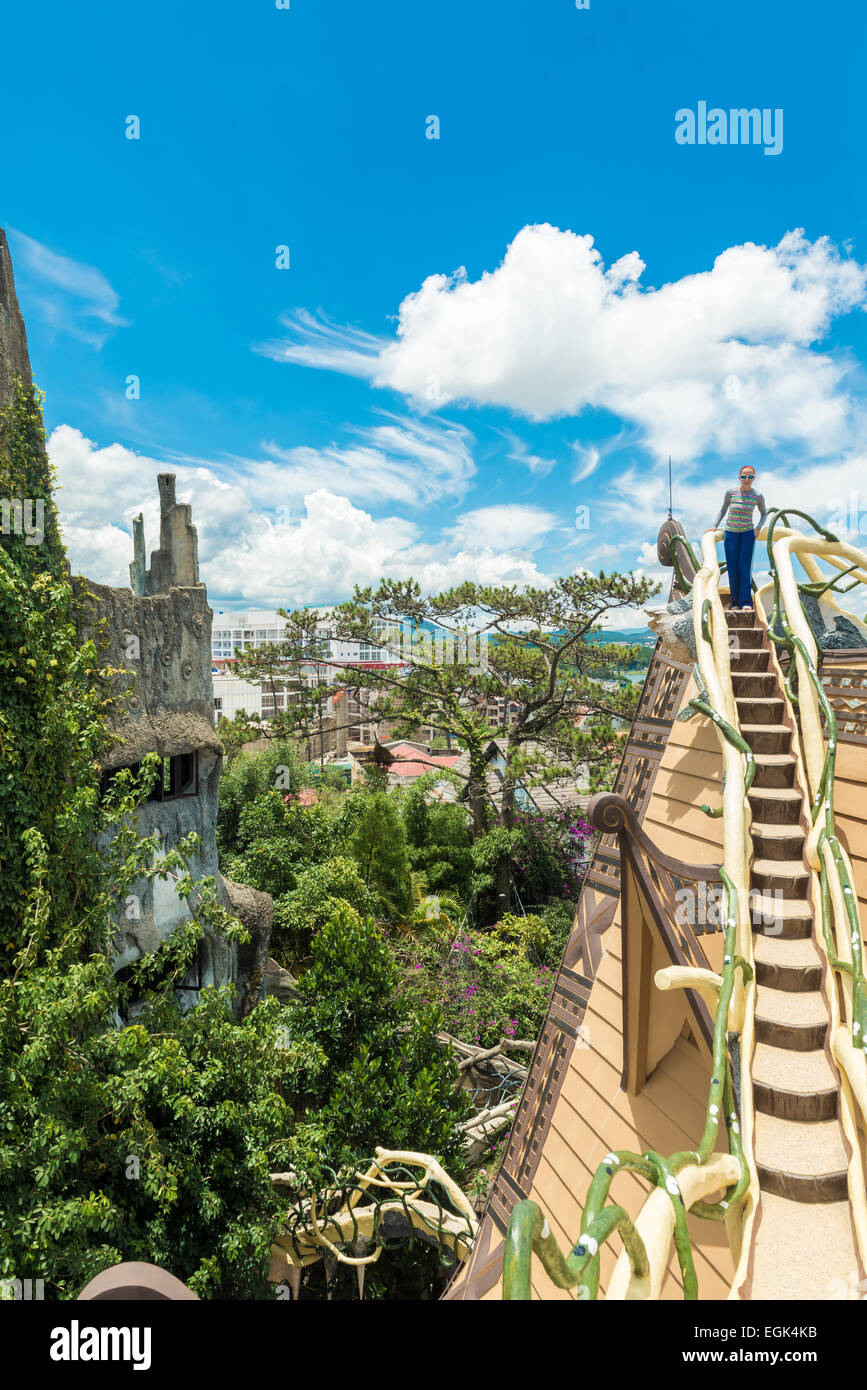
(158, 632)
(162, 637)
(14, 360)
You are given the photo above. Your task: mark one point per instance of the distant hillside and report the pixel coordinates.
(628, 636)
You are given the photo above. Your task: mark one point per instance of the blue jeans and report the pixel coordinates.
(739, 546)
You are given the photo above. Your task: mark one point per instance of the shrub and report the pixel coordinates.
(490, 985)
(386, 1081)
(378, 845)
(548, 855)
(298, 915)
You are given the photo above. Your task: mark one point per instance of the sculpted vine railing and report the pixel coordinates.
(354, 1215)
(682, 1182)
(790, 630)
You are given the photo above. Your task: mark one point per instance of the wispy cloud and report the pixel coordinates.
(316, 341)
(167, 273)
(512, 525)
(70, 296)
(586, 462)
(402, 460)
(519, 452)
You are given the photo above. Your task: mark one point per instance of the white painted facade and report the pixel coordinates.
(233, 633)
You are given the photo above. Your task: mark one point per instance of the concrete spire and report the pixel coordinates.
(14, 358)
(177, 560)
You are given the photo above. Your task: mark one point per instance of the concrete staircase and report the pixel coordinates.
(803, 1238)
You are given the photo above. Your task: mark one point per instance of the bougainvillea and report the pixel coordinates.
(549, 855)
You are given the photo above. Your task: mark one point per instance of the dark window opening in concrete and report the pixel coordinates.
(134, 1002)
(187, 774)
(198, 977)
(178, 776)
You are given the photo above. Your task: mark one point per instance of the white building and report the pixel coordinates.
(234, 633)
(231, 695)
(240, 632)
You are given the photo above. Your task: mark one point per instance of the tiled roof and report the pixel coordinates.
(408, 764)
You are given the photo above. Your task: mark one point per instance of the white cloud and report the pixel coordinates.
(404, 460)
(249, 550)
(77, 294)
(719, 360)
(318, 342)
(586, 462)
(601, 556)
(519, 452)
(511, 525)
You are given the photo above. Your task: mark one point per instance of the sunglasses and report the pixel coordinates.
(747, 477)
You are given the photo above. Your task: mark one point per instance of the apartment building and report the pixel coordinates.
(235, 633)
(233, 695)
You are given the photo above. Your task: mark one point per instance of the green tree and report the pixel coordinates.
(151, 1141)
(539, 683)
(386, 1081)
(277, 769)
(300, 914)
(378, 846)
(439, 842)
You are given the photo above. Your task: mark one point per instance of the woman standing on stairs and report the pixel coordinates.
(740, 537)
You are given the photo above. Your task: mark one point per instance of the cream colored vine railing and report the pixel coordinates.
(712, 640)
(344, 1218)
(833, 880)
(683, 1182)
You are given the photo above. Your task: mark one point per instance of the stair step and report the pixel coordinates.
(808, 1149)
(775, 805)
(797, 1020)
(790, 877)
(760, 709)
(749, 662)
(772, 841)
(740, 619)
(775, 915)
(788, 1266)
(767, 738)
(774, 770)
(804, 1162)
(744, 639)
(794, 1085)
(761, 684)
(787, 963)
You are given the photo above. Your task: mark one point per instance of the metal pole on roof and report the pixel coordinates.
(670, 512)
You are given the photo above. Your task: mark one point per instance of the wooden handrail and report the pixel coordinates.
(612, 815)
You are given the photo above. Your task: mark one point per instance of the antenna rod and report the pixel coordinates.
(670, 512)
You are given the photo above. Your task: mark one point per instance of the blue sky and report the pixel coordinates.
(335, 421)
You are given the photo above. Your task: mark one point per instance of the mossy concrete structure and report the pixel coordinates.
(161, 640)
(14, 358)
(156, 635)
